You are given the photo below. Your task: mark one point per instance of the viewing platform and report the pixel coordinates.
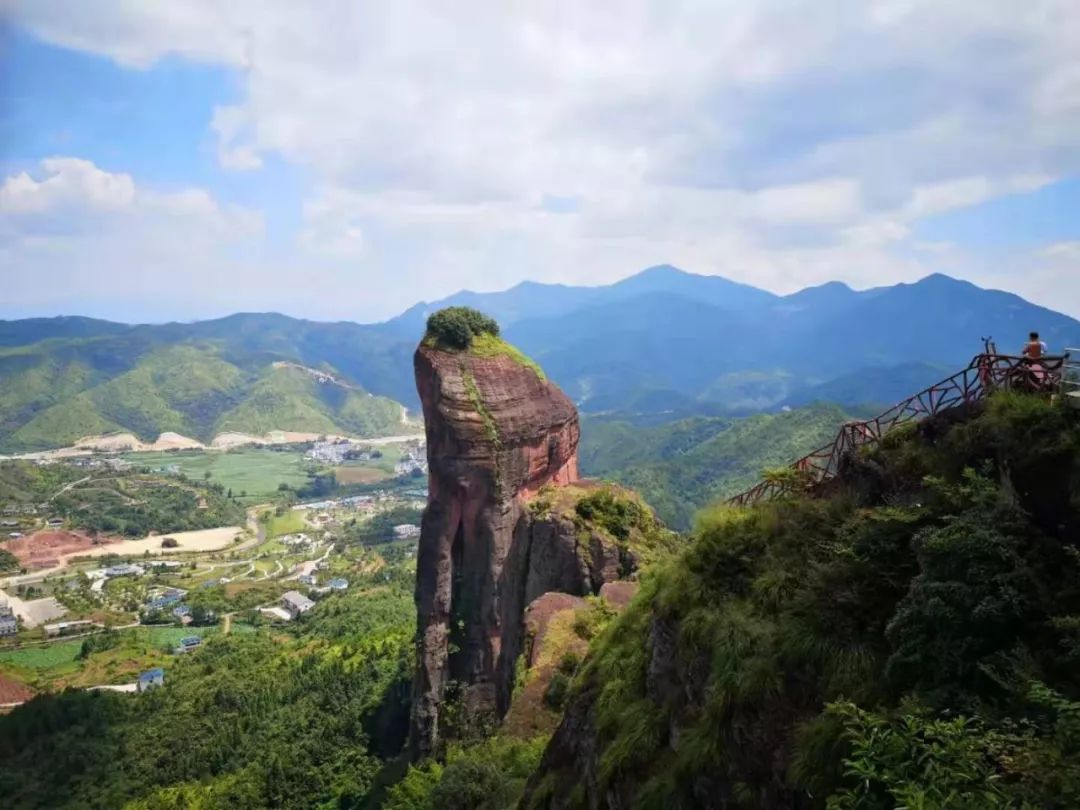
(987, 372)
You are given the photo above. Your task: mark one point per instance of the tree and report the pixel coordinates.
(455, 327)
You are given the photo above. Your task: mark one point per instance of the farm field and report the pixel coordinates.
(58, 665)
(253, 474)
(289, 523)
(45, 656)
(354, 474)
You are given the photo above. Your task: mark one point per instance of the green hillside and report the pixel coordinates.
(909, 641)
(302, 716)
(682, 466)
(290, 399)
(54, 392)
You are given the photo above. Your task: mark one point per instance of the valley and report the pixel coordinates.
(532, 406)
(76, 528)
(278, 570)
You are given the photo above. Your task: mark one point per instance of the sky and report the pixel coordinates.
(344, 160)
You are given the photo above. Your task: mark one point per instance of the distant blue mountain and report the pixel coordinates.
(660, 342)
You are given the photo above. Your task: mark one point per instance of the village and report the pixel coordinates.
(65, 585)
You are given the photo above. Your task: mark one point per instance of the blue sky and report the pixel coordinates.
(178, 161)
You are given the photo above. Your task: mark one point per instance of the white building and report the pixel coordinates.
(296, 603)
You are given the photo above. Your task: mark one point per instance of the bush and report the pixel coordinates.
(617, 515)
(556, 692)
(916, 761)
(8, 561)
(455, 327)
(490, 775)
(591, 620)
(569, 663)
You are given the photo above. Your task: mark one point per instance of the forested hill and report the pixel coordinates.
(59, 390)
(910, 640)
(663, 343)
(682, 466)
(302, 716)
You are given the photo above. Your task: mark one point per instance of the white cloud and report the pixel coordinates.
(1064, 251)
(229, 124)
(77, 238)
(779, 142)
(67, 181)
(824, 202)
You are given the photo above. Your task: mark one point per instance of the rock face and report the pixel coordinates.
(496, 434)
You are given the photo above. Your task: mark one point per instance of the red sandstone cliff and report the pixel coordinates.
(496, 434)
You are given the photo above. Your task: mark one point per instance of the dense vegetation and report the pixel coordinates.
(680, 467)
(380, 528)
(137, 505)
(56, 392)
(118, 502)
(301, 718)
(489, 775)
(26, 483)
(909, 641)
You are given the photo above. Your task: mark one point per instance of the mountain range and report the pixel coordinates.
(658, 346)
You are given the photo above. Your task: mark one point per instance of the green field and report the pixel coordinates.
(170, 636)
(61, 653)
(55, 666)
(289, 523)
(46, 656)
(255, 471)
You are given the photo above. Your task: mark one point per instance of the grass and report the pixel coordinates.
(55, 666)
(490, 427)
(493, 346)
(255, 471)
(46, 656)
(161, 636)
(289, 523)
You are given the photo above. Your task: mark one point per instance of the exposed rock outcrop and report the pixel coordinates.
(500, 528)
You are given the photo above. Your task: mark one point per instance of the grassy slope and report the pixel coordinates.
(682, 466)
(910, 642)
(56, 392)
(290, 399)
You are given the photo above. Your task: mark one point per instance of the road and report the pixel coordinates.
(313, 563)
(64, 489)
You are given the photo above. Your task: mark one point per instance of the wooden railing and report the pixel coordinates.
(986, 373)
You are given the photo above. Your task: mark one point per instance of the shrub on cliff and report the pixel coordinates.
(489, 775)
(455, 327)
